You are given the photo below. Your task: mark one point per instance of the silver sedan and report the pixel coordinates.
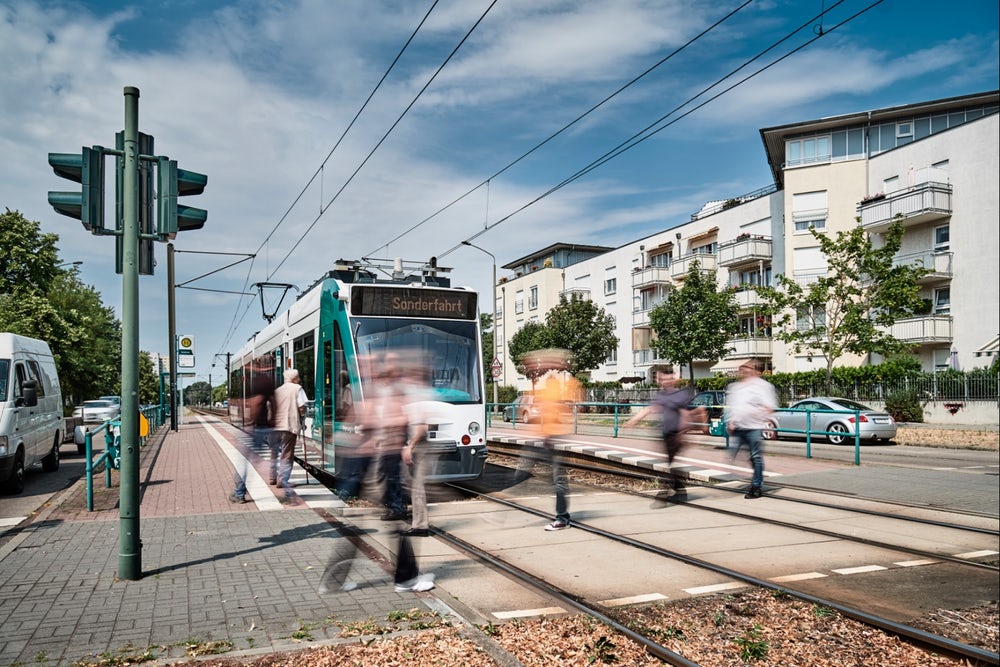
(92, 412)
(837, 427)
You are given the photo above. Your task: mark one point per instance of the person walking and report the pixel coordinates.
(559, 390)
(671, 402)
(750, 401)
(289, 404)
(261, 415)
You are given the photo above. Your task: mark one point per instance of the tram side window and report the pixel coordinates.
(303, 359)
(342, 378)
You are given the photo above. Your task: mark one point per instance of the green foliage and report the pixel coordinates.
(852, 306)
(904, 406)
(489, 351)
(199, 393)
(585, 329)
(601, 651)
(39, 300)
(506, 393)
(752, 647)
(577, 325)
(695, 322)
(149, 381)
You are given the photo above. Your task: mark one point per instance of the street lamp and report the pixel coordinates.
(226, 355)
(76, 263)
(495, 356)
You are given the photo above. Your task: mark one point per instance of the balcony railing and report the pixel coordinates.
(582, 292)
(742, 348)
(748, 299)
(681, 267)
(651, 276)
(924, 202)
(752, 250)
(808, 276)
(643, 357)
(938, 263)
(923, 329)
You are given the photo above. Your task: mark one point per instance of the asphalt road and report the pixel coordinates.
(40, 486)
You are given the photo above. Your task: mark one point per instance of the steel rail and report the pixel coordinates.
(923, 637)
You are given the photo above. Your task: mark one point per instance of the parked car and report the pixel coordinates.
(522, 410)
(117, 400)
(97, 411)
(873, 424)
(714, 403)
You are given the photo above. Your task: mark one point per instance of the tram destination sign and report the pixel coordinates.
(376, 300)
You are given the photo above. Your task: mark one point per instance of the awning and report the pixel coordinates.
(703, 235)
(990, 349)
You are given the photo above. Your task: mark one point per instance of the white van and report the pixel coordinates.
(31, 420)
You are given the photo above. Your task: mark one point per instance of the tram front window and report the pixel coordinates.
(448, 349)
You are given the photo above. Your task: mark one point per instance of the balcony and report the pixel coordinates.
(651, 276)
(748, 299)
(642, 358)
(681, 267)
(745, 348)
(924, 202)
(808, 276)
(581, 292)
(745, 251)
(923, 329)
(938, 263)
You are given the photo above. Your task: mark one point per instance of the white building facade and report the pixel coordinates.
(935, 163)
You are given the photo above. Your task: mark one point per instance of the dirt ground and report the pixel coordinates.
(929, 436)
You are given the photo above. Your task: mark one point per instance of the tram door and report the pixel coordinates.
(338, 400)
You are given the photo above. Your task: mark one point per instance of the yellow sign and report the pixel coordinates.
(143, 426)
(186, 343)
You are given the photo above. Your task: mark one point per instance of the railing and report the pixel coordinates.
(925, 329)
(939, 264)
(651, 275)
(748, 299)
(681, 266)
(111, 456)
(744, 251)
(921, 203)
(753, 346)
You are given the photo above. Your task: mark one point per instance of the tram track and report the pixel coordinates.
(926, 639)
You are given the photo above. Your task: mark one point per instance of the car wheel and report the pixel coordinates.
(838, 433)
(51, 462)
(15, 482)
(770, 432)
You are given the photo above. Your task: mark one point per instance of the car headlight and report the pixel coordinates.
(474, 428)
(3, 445)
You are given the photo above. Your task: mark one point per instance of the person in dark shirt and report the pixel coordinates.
(671, 402)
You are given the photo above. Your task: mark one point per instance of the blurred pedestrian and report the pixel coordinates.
(559, 390)
(260, 413)
(384, 425)
(289, 403)
(672, 404)
(416, 455)
(749, 404)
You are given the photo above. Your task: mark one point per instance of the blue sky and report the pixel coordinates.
(255, 94)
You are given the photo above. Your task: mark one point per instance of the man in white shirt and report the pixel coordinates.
(749, 404)
(289, 400)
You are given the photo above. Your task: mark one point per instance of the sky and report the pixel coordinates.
(334, 129)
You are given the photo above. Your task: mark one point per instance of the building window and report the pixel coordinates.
(613, 357)
(707, 249)
(519, 302)
(809, 150)
(809, 209)
(942, 301)
(942, 238)
(804, 225)
(808, 318)
(610, 286)
(533, 298)
(662, 260)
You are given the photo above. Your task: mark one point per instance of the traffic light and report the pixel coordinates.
(147, 223)
(86, 204)
(171, 184)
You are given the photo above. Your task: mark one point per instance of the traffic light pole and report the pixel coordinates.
(129, 544)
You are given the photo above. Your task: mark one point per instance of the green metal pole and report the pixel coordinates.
(129, 544)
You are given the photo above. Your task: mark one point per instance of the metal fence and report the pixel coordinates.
(928, 388)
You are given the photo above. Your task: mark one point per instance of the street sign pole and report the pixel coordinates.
(129, 545)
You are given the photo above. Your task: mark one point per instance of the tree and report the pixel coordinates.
(149, 380)
(38, 299)
(695, 322)
(584, 328)
(199, 393)
(853, 306)
(489, 351)
(531, 336)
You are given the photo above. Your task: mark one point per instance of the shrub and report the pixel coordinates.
(904, 406)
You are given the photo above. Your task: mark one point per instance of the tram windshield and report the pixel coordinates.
(449, 348)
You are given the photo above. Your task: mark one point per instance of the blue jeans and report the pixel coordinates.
(751, 438)
(559, 482)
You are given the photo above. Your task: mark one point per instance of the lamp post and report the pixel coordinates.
(226, 355)
(495, 356)
(76, 263)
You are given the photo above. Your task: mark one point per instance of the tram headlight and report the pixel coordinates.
(474, 428)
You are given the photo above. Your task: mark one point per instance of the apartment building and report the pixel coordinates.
(934, 163)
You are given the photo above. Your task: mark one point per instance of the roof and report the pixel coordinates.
(774, 137)
(556, 247)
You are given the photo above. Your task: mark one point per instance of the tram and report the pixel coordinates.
(337, 333)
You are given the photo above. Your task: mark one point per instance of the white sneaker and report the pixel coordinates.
(557, 525)
(424, 582)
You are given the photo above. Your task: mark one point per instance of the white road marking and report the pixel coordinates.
(524, 613)
(976, 554)
(799, 577)
(635, 599)
(714, 588)
(915, 563)
(860, 569)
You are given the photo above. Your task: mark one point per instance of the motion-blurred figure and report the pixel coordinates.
(555, 398)
(749, 403)
(671, 402)
(289, 400)
(260, 412)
